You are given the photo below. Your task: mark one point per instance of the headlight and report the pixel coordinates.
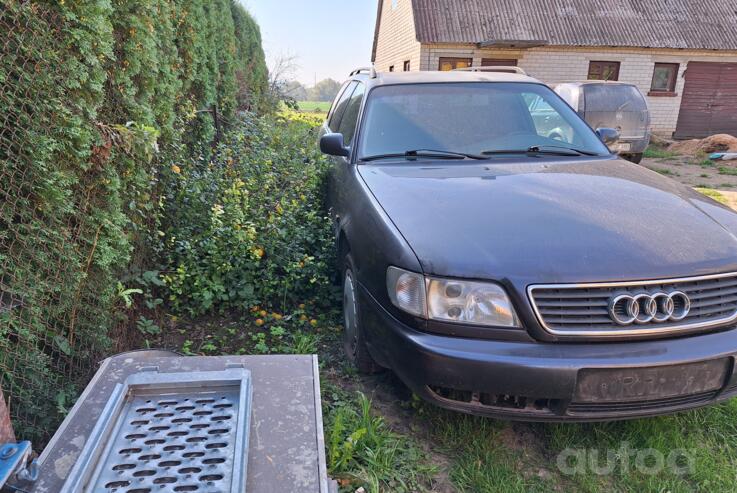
(476, 303)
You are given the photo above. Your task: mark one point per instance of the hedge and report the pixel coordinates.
(97, 97)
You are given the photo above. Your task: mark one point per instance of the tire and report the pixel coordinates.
(354, 342)
(634, 158)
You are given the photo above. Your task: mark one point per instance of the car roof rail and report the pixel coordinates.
(500, 68)
(371, 71)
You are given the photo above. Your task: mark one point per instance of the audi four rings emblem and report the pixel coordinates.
(643, 308)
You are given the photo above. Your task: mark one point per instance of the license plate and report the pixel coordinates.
(640, 384)
(624, 147)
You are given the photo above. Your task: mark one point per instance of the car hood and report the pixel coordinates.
(577, 220)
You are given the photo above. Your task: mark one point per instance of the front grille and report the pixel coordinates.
(651, 405)
(583, 309)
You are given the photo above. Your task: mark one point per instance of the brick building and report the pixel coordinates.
(681, 53)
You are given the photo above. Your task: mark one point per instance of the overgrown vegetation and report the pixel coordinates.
(98, 99)
(247, 227)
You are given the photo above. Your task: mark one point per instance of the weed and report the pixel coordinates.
(659, 153)
(147, 327)
(724, 170)
(304, 343)
(363, 452)
(666, 172)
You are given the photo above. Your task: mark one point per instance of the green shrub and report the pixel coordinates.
(248, 228)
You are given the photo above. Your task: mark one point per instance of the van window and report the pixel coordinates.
(613, 97)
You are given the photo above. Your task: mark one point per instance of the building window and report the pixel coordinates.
(498, 62)
(406, 66)
(603, 70)
(395, 4)
(448, 63)
(664, 78)
(391, 68)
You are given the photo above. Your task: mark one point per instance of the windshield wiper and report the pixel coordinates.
(428, 153)
(543, 149)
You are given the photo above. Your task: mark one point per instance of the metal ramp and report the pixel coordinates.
(153, 421)
(169, 432)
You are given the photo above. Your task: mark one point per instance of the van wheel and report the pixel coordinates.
(634, 158)
(354, 342)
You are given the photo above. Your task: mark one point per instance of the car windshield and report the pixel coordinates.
(471, 118)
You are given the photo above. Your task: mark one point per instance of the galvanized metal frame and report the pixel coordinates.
(98, 446)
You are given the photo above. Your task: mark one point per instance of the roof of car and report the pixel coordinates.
(395, 78)
(599, 82)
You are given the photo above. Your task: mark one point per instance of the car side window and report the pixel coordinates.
(340, 107)
(350, 116)
(338, 97)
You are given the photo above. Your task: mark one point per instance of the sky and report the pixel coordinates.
(328, 38)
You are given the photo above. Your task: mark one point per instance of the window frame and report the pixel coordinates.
(358, 113)
(407, 65)
(672, 79)
(349, 89)
(360, 130)
(453, 61)
(499, 62)
(391, 68)
(602, 64)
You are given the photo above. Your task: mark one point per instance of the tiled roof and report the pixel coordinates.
(694, 24)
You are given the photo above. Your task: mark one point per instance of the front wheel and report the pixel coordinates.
(354, 341)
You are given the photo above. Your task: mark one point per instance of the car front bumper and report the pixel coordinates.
(531, 381)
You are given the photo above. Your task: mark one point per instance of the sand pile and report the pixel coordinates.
(714, 143)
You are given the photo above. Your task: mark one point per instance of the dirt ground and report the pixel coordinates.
(696, 171)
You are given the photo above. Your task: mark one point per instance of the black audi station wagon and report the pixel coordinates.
(500, 271)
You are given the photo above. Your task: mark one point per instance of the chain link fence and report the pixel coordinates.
(51, 328)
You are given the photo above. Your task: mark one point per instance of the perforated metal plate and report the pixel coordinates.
(170, 432)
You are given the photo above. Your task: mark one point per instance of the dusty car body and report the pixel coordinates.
(615, 105)
(515, 274)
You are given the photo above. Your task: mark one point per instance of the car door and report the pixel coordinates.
(331, 126)
(347, 113)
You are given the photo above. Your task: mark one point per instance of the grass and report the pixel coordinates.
(714, 194)
(657, 152)
(362, 451)
(699, 450)
(724, 170)
(666, 172)
(314, 106)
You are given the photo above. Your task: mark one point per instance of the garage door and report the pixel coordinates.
(709, 104)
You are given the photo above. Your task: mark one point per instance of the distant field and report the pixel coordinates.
(314, 106)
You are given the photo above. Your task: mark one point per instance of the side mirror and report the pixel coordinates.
(332, 145)
(608, 135)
